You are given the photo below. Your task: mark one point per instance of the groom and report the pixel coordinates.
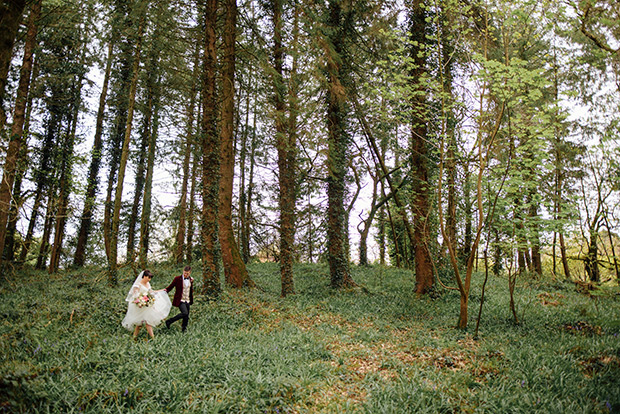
(183, 296)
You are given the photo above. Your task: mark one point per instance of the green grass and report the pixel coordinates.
(378, 350)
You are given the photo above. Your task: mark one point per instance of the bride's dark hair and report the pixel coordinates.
(147, 273)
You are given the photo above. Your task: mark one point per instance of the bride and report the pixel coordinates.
(145, 306)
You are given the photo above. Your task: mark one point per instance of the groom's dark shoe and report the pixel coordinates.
(168, 324)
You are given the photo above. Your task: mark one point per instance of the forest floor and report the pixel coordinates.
(379, 349)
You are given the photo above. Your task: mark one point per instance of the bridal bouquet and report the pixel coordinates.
(144, 300)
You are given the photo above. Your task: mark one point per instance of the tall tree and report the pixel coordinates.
(16, 140)
(86, 218)
(211, 252)
(285, 144)
(187, 174)
(123, 26)
(153, 94)
(115, 219)
(235, 271)
(11, 12)
(338, 27)
(419, 152)
(80, 42)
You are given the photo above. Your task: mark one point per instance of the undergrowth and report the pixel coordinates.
(379, 349)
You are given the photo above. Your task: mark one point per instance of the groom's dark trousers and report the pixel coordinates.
(184, 308)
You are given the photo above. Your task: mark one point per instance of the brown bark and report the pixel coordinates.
(210, 159)
(419, 153)
(11, 12)
(235, 272)
(16, 140)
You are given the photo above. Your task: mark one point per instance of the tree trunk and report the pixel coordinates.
(153, 94)
(419, 153)
(17, 136)
(143, 150)
(536, 256)
(211, 253)
(285, 143)
(86, 219)
(559, 183)
(338, 143)
(16, 204)
(189, 149)
(66, 172)
(122, 26)
(22, 167)
(62, 211)
(591, 261)
(242, 176)
(467, 239)
(363, 258)
(38, 198)
(189, 254)
(250, 190)
(381, 235)
(47, 229)
(11, 12)
(235, 272)
(145, 222)
(379, 155)
(113, 239)
(447, 52)
(43, 178)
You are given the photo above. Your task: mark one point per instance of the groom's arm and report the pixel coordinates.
(172, 286)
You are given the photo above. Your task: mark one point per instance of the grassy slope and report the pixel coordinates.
(63, 349)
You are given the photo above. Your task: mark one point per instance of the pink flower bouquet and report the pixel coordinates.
(144, 300)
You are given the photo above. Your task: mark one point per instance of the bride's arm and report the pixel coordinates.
(135, 291)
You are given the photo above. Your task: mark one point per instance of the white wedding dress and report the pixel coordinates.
(153, 314)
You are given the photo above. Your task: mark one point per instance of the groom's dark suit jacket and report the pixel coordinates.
(177, 285)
